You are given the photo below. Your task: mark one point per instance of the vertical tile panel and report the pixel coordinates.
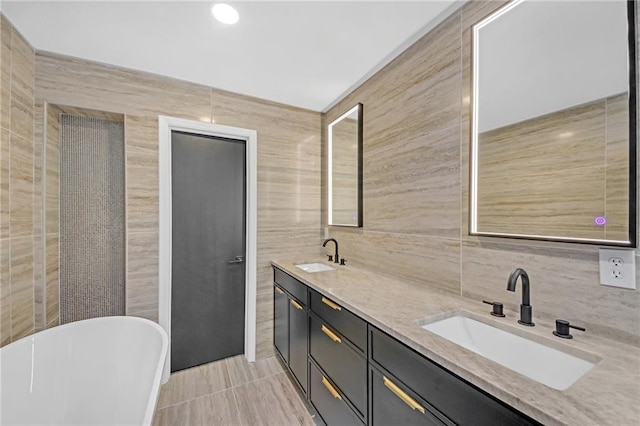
(5, 73)
(21, 186)
(413, 185)
(142, 275)
(38, 283)
(18, 161)
(21, 287)
(5, 187)
(52, 185)
(264, 325)
(5, 291)
(22, 90)
(51, 281)
(38, 238)
(142, 173)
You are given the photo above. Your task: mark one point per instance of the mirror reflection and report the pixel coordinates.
(551, 122)
(345, 169)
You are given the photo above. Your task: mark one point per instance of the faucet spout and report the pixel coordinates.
(335, 257)
(526, 312)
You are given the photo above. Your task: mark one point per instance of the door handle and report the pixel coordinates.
(331, 334)
(402, 395)
(238, 259)
(330, 388)
(296, 305)
(331, 304)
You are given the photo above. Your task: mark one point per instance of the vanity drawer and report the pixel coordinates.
(393, 404)
(346, 368)
(458, 400)
(329, 401)
(293, 286)
(346, 323)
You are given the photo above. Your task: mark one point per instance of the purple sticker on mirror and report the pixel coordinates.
(600, 221)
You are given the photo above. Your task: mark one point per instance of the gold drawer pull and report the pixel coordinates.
(331, 304)
(330, 388)
(331, 334)
(279, 290)
(296, 304)
(403, 396)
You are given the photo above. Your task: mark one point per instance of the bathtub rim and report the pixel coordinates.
(157, 378)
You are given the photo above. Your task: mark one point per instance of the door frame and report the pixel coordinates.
(165, 126)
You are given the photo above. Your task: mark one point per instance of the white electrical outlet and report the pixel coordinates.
(618, 268)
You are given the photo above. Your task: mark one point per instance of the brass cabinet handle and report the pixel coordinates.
(402, 395)
(279, 290)
(331, 304)
(296, 304)
(331, 334)
(330, 388)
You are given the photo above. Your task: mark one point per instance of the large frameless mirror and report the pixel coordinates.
(554, 122)
(345, 169)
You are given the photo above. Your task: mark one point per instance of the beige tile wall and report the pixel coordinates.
(20, 182)
(51, 204)
(288, 169)
(416, 191)
(416, 184)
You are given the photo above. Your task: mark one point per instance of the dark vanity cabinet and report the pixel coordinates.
(281, 322)
(359, 375)
(337, 351)
(430, 394)
(392, 403)
(291, 330)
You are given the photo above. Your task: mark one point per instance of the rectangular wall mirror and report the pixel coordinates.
(553, 152)
(345, 169)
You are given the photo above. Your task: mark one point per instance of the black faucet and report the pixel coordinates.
(525, 308)
(324, 244)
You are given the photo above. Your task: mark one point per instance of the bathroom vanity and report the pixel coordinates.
(352, 342)
(358, 374)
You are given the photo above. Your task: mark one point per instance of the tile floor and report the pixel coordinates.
(231, 392)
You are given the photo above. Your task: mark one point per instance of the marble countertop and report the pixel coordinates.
(609, 394)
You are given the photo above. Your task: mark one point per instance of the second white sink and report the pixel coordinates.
(314, 267)
(544, 364)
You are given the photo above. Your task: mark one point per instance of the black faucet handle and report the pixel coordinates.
(343, 261)
(497, 308)
(330, 257)
(562, 329)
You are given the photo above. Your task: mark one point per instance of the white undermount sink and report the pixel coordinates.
(314, 267)
(544, 364)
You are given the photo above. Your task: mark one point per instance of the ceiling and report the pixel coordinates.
(303, 53)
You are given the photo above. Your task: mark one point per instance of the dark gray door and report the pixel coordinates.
(208, 249)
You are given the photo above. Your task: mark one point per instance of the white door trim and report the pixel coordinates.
(165, 126)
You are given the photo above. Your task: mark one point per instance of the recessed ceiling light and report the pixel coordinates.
(225, 13)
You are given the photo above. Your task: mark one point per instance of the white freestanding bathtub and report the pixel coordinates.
(101, 371)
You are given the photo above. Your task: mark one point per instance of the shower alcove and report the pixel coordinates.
(84, 215)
